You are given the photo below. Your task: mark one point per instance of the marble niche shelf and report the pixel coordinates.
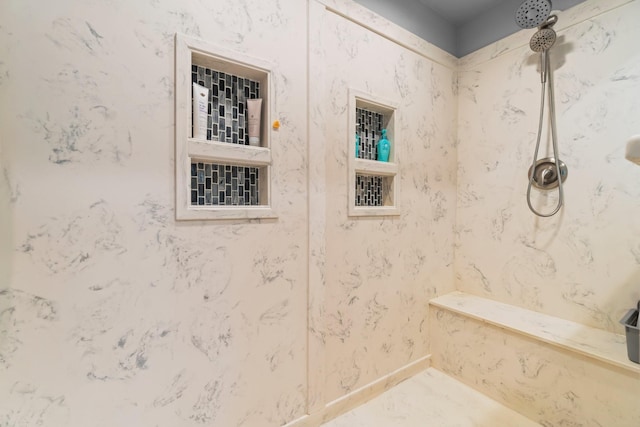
(591, 342)
(373, 185)
(221, 176)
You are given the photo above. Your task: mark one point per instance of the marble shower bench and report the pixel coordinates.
(551, 370)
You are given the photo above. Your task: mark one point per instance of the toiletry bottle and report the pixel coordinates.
(357, 145)
(255, 111)
(384, 147)
(200, 113)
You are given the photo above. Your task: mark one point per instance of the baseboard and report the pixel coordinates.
(365, 393)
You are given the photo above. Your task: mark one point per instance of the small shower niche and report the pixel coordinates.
(219, 175)
(373, 184)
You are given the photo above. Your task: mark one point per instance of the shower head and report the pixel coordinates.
(533, 13)
(542, 40)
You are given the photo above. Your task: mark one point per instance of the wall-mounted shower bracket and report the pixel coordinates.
(551, 21)
(545, 173)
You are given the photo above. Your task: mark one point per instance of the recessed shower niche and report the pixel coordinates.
(373, 184)
(223, 167)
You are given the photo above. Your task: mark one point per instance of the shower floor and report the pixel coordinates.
(431, 398)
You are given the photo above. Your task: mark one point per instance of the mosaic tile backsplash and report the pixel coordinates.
(213, 185)
(369, 127)
(227, 118)
(369, 190)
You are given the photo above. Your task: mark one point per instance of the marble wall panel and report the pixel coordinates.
(581, 264)
(380, 272)
(111, 312)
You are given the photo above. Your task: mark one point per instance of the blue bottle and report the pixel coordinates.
(384, 147)
(357, 145)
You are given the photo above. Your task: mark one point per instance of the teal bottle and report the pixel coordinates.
(384, 147)
(357, 145)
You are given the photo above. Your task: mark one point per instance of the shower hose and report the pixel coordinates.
(546, 77)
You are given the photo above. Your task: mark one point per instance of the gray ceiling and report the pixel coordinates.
(458, 12)
(456, 26)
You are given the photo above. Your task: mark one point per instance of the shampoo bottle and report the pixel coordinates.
(384, 147)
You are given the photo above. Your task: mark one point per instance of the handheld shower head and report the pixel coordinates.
(533, 13)
(542, 40)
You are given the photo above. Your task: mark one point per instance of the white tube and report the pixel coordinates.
(200, 111)
(255, 111)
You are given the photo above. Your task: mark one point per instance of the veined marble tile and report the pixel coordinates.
(431, 398)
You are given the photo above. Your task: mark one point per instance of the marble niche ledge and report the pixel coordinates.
(591, 342)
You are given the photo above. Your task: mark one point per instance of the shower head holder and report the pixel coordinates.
(550, 22)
